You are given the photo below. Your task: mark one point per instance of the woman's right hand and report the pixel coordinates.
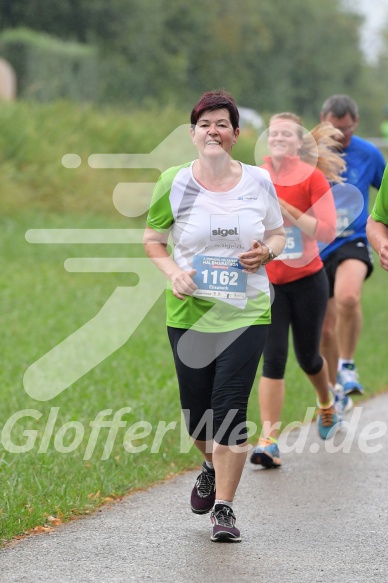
(182, 284)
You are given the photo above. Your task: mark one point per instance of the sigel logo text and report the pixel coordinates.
(225, 232)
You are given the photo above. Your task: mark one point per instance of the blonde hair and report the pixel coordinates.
(320, 147)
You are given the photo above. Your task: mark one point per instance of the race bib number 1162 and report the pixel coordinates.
(219, 277)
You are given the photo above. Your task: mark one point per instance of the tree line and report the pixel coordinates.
(272, 55)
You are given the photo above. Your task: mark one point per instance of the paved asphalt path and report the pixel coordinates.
(322, 517)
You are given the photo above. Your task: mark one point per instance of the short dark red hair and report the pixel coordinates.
(212, 100)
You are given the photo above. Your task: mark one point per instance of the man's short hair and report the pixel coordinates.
(339, 106)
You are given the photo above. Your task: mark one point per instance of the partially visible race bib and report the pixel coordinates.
(294, 244)
(219, 277)
(344, 218)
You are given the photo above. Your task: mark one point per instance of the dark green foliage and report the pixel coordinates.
(48, 69)
(272, 55)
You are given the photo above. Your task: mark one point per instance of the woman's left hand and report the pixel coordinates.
(251, 260)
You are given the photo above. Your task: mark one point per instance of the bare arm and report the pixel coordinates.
(258, 254)
(155, 245)
(305, 222)
(377, 234)
(319, 221)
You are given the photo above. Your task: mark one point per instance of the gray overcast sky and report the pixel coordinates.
(376, 13)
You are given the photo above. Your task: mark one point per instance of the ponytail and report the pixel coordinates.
(321, 148)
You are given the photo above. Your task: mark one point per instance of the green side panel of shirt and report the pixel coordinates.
(208, 316)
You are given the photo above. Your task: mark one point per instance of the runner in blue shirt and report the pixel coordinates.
(348, 259)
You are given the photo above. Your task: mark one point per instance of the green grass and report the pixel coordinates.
(42, 304)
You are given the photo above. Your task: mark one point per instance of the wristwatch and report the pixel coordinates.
(271, 255)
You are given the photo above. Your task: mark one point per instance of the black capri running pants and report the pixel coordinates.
(300, 304)
(215, 374)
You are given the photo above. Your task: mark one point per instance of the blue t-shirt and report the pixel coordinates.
(365, 166)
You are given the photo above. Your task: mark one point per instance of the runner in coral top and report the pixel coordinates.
(298, 277)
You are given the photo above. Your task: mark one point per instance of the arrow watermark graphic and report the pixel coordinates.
(127, 307)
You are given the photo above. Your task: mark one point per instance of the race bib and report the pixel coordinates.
(219, 277)
(294, 244)
(344, 218)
